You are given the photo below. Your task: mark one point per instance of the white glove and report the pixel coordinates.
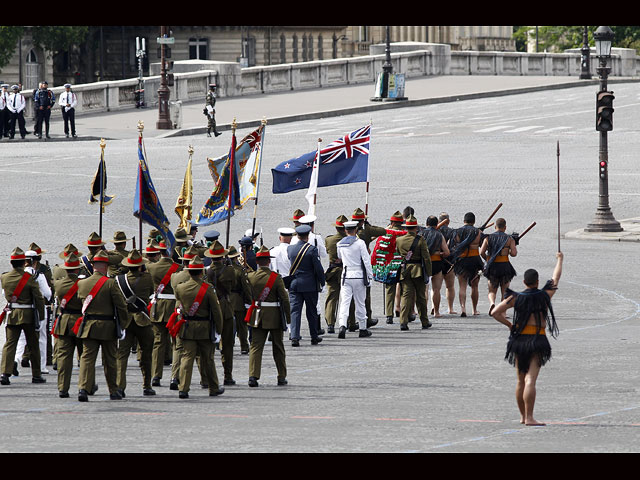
(124, 334)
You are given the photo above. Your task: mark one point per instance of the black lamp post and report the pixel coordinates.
(585, 56)
(164, 119)
(604, 220)
(387, 67)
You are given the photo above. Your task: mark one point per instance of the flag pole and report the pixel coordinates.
(315, 194)
(255, 206)
(102, 145)
(232, 161)
(140, 129)
(366, 193)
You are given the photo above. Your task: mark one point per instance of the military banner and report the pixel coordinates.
(184, 204)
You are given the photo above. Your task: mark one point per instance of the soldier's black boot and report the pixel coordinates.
(217, 133)
(83, 396)
(208, 132)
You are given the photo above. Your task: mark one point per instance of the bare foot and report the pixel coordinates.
(476, 313)
(534, 423)
(452, 312)
(436, 315)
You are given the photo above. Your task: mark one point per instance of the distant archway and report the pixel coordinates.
(32, 71)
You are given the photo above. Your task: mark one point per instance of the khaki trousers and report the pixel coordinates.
(413, 290)
(11, 344)
(204, 350)
(87, 374)
(160, 341)
(65, 348)
(144, 336)
(258, 339)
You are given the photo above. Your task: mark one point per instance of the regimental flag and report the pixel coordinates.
(146, 204)
(247, 157)
(184, 204)
(344, 161)
(99, 185)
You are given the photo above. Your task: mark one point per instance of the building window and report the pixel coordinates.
(363, 34)
(304, 47)
(198, 49)
(310, 47)
(294, 48)
(320, 52)
(283, 49)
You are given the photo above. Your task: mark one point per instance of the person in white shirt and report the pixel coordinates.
(5, 114)
(356, 276)
(68, 101)
(16, 108)
(46, 293)
(280, 262)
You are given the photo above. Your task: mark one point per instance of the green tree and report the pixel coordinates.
(560, 38)
(9, 37)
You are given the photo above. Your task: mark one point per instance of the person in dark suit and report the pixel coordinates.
(308, 279)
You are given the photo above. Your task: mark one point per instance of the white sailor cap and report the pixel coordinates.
(248, 233)
(286, 231)
(5, 85)
(67, 85)
(308, 219)
(351, 224)
(31, 253)
(15, 87)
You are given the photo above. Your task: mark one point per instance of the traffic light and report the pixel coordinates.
(603, 169)
(604, 111)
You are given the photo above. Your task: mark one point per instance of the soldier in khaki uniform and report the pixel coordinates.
(100, 328)
(202, 320)
(176, 279)
(416, 269)
(59, 272)
(225, 279)
(391, 292)
(95, 244)
(240, 296)
(138, 323)
(332, 276)
(163, 304)
(267, 319)
(119, 242)
(69, 310)
(23, 313)
(181, 243)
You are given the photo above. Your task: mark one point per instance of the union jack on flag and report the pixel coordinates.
(345, 160)
(344, 148)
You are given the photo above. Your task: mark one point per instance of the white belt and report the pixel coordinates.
(265, 304)
(166, 296)
(21, 305)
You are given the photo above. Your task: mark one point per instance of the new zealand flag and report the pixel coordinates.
(344, 161)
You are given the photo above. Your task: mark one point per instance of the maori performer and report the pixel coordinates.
(468, 263)
(448, 275)
(496, 249)
(528, 348)
(438, 249)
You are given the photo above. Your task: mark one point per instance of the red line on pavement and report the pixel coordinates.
(227, 415)
(312, 418)
(396, 419)
(481, 421)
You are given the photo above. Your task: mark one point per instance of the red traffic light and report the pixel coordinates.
(603, 164)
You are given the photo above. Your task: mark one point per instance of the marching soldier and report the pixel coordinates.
(415, 273)
(225, 279)
(392, 291)
(58, 271)
(23, 313)
(297, 215)
(201, 320)
(240, 296)
(163, 304)
(119, 242)
(95, 244)
(333, 274)
(210, 111)
(136, 287)
(269, 315)
(103, 308)
(69, 310)
(182, 238)
(248, 253)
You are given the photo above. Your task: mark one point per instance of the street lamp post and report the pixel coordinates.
(387, 67)
(164, 120)
(585, 73)
(604, 220)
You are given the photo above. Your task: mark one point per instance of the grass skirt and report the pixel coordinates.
(500, 274)
(525, 348)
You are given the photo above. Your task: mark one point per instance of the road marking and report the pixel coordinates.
(311, 417)
(524, 129)
(480, 421)
(227, 415)
(555, 129)
(493, 129)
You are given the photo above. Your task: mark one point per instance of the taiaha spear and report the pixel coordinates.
(102, 174)
(232, 161)
(558, 156)
(486, 224)
(255, 206)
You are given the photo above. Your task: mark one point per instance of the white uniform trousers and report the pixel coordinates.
(22, 343)
(353, 288)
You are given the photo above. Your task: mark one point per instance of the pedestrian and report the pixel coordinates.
(99, 328)
(528, 349)
(495, 250)
(210, 111)
(307, 279)
(24, 312)
(415, 273)
(438, 250)
(163, 303)
(5, 113)
(355, 278)
(333, 274)
(201, 320)
(68, 102)
(16, 108)
(44, 101)
(269, 315)
(468, 263)
(137, 287)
